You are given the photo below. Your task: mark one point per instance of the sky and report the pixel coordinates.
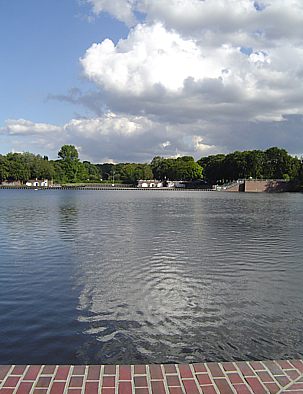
(127, 80)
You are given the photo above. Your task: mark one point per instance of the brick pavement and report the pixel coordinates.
(227, 377)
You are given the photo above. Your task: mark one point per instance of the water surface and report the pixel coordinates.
(153, 276)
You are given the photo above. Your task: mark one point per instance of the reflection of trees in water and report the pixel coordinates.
(68, 220)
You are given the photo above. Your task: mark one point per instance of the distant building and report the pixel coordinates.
(38, 183)
(151, 183)
(11, 183)
(180, 184)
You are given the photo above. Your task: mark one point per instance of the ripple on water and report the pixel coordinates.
(149, 277)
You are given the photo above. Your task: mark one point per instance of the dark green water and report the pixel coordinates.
(144, 277)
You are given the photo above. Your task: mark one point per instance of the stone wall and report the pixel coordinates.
(271, 185)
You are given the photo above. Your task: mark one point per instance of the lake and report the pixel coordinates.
(149, 276)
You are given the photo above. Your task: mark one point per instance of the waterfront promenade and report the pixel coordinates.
(227, 377)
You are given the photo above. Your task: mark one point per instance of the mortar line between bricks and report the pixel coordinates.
(164, 379)
(7, 374)
(132, 373)
(243, 377)
(68, 378)
(259, 379)
(84, 379)
(21, 378)
(271, 374)
(52, 379)
(101, 376)
(195, 378)
(36, 379)
(148, 379)
(290, 384)
(179, 376)
(226, 378)
(211, 378)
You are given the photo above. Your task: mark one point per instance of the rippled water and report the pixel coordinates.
(143, 277)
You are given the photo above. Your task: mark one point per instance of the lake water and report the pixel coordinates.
(149, 276)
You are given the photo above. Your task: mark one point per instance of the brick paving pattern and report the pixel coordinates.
(258, 377)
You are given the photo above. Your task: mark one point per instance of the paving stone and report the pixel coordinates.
(229, 367)
(245, 369)
(155, 372)
(57, 388)
(4, 369)
(272, 388)
(242, 389)
(203, 378)
(157, 387)
(170, 368)
(48, 370)
(298, 364)
(215, 370)
(173, 380)
(185, 371)
(255, 385)
(24, 388)
(62, 372)
(140, 370)
(223, 386)
(141, 390)
(19, 370)
(257, 366)
(78, 370)
(175, 390)
(200, 368)
(140, 381)
(76, 381)
(190, 387)
(235, 378)
(32, 372)
(124, 372)
(272, 377)
(94, 372)
(110, 370)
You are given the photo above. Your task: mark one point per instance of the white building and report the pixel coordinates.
(151, 183)
(37, 183)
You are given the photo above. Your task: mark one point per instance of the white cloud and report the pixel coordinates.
(150, 58)
(271, 19)
(192, 77)
(157, 70)
(120, 9)
(25, 127)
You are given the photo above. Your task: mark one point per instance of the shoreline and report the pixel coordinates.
(102, 188)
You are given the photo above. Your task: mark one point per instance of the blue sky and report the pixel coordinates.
(41, 43)
(126, 80)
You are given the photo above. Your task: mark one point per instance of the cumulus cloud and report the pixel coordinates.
(270, 19)
(192, 77)
(150, 58)
(109, 137)
(26, 127)
(157, 70)
(123, 10)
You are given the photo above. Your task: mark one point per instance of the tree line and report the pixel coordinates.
(273, 163)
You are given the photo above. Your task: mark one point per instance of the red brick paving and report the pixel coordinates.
(255, 377)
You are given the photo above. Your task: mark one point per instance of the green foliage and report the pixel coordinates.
(132, 172)
(274, 163)
(70, 163)
(183, 168)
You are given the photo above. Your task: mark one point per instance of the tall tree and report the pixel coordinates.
(70, 162)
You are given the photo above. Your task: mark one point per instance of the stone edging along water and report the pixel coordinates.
(281, 376)
(102, 188)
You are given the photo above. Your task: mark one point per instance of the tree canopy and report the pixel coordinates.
(273, 163)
